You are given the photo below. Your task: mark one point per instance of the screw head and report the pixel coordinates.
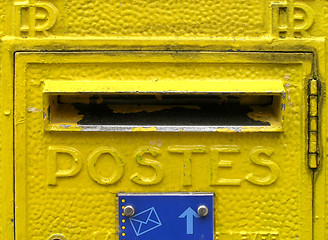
(202, 211)
(129, 211)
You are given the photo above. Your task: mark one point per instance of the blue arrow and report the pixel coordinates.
(189, 213)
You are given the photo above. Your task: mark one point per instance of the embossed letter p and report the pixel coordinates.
(291, 20)
(34, 17)
(52, 170)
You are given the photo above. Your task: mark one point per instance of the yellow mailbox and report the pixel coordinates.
(138, 120)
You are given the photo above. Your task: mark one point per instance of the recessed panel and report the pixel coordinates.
(230, 124)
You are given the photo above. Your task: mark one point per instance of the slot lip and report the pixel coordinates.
(61, 127)
(256, 87)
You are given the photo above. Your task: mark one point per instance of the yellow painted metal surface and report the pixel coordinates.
(71, 174)
(61, 167)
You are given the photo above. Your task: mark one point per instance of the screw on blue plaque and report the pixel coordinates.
(173, 216)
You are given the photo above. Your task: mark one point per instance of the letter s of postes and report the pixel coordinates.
(265, 161)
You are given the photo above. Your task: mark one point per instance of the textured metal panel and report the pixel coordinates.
(261, 180)
(165, 18)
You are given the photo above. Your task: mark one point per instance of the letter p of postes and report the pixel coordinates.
(53, 170)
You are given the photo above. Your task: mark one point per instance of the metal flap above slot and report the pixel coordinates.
(200, 107)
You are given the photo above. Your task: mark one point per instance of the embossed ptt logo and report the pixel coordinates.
(291, 20)
(34, 18)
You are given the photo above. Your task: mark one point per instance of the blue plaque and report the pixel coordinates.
(166, 217)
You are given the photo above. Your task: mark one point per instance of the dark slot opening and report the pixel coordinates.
(164, 109)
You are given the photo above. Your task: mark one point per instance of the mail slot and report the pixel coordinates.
(164, 111)
(133, 145)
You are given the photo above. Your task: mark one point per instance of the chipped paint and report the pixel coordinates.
(274, 128)
(144, 129)
(284, 95)
(283, 106)
(229, 129)
(262, 114)
(64, 127)
(33, 110)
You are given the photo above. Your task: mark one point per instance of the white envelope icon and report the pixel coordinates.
(145, 221)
